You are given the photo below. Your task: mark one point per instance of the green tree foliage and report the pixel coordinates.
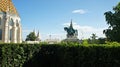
(113, 20)
(93, 39)
(101, 40)
(31, 37)
(85, 42)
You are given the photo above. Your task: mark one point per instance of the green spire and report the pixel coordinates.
(71, 24)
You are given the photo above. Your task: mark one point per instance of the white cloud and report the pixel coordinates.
(86, 31)
(79, 11)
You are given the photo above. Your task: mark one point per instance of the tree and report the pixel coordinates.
(113, 20)
(101, 40)
(93, 39)
(31, 37)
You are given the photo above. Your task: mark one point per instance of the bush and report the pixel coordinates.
(57, 55)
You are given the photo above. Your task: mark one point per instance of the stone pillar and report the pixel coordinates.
(5, 30)
(19, 34)
(14, 37)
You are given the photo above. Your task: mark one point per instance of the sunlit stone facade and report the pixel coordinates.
(10, 26)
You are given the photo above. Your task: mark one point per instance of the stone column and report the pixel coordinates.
(14, 33)
(19, 34)
(5, 30)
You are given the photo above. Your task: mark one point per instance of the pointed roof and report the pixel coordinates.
(7, 6)
(38, 37)
(71, 24)
(38, 34)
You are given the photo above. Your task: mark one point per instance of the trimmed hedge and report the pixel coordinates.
(56, 55)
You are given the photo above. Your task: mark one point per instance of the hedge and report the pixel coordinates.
(59, 55)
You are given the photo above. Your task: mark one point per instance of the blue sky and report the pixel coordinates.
(51, 16)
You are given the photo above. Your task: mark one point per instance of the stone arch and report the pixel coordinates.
(10, 30)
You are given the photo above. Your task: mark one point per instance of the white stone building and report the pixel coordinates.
(52, 41)
(10, 26)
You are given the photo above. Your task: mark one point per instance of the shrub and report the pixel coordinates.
(57, 55)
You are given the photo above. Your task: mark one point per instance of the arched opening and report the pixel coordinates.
(10, 34)
(17, 23)
(11, 23)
